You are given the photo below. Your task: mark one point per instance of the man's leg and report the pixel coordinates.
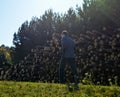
(74, 70)
(61, 70)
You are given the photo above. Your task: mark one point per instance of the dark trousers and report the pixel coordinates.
(71, 62)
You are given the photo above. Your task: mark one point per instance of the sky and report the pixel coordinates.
(15, 12)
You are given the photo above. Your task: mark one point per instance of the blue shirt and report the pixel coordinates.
(68, 46)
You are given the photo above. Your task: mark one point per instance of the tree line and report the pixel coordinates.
(95, 24)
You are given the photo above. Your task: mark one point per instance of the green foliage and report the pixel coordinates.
(95, 25)
(5, 55)
(98, 55)
(28, 89)
(96, 15)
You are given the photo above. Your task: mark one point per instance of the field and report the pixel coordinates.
(30, 89)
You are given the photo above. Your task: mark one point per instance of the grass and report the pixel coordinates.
(30, 89)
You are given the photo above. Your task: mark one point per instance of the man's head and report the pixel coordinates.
(64, 33)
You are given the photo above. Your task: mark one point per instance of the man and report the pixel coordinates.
(68, 56)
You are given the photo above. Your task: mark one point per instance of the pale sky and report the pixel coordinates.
(15, 12)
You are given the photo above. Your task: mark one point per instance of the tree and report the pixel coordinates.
(20, 41)
(5, 56)
(97, 14)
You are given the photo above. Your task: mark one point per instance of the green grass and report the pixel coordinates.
(30, 89)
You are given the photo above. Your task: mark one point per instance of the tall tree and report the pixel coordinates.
(97, 14)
